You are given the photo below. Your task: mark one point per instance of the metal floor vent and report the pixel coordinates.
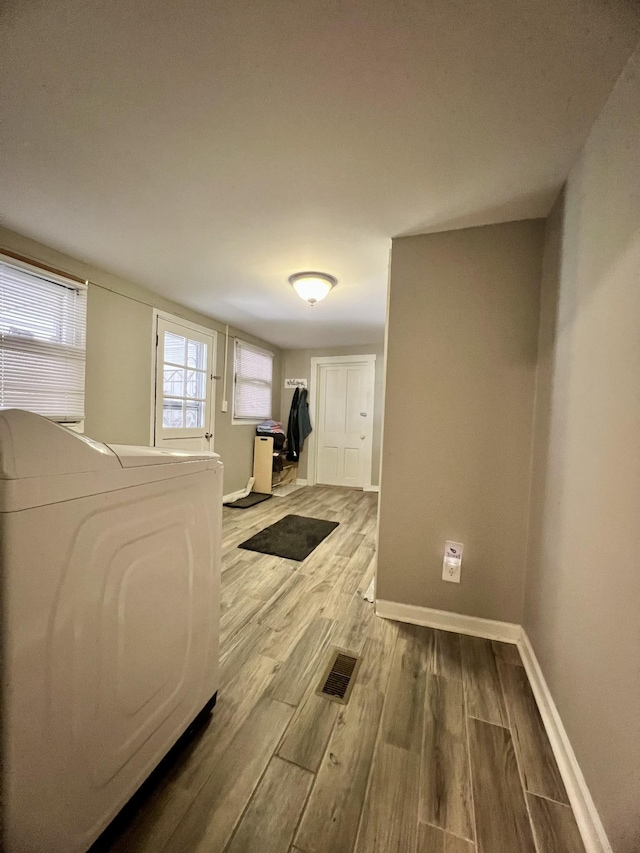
(339, 676)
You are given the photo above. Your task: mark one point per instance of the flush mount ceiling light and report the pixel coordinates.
(312, 286)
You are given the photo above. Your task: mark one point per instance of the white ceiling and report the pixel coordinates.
(209, 149)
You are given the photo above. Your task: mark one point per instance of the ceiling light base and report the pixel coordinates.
(312, 286)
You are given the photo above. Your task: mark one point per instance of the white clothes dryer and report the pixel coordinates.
(110, 599)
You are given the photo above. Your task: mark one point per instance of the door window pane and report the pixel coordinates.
(185, 382)
(174, 348)
(197, 355)
(173, 382)
(195, 384)
(195, 413)
(172, 414)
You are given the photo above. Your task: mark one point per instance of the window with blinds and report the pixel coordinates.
(253, 382)
(42, 342)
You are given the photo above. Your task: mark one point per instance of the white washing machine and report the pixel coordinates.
(110, 582)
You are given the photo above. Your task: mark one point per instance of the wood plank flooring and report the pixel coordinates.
(440, 749)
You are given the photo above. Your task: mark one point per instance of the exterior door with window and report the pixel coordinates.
(185, 364)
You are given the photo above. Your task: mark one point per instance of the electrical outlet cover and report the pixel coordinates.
(451, 570)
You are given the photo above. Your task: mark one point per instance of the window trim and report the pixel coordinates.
(248, 421)
(63, 279)
(42, 270)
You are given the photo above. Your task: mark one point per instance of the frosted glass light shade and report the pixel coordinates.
(312, 286)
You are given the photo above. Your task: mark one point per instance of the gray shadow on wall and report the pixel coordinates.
(545, 521)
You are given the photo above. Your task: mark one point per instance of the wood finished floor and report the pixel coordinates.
(440, 750)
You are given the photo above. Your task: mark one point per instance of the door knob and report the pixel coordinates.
(362, 437)
(208, 435)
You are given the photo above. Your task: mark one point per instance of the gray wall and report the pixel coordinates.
(119, 361)
(582, 609)
(296, 364)
(461, 358)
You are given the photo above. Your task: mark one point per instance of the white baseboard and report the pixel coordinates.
(507, 632)
(301, 482)
(234, 496)
(591, 829)
(241, 493)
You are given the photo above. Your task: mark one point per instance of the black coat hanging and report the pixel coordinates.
(299, 425)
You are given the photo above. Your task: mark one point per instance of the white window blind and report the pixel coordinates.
(42, 342)
(253, 381)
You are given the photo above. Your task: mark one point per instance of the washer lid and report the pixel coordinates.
(33, 446)
(131, 456)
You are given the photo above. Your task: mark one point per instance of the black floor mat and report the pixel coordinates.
(251, 499)
(294, 537)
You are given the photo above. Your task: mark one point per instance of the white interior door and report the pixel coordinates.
(344, 423)
(185, 364)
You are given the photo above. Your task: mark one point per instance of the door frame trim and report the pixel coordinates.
(316, 363)
(203, 330)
